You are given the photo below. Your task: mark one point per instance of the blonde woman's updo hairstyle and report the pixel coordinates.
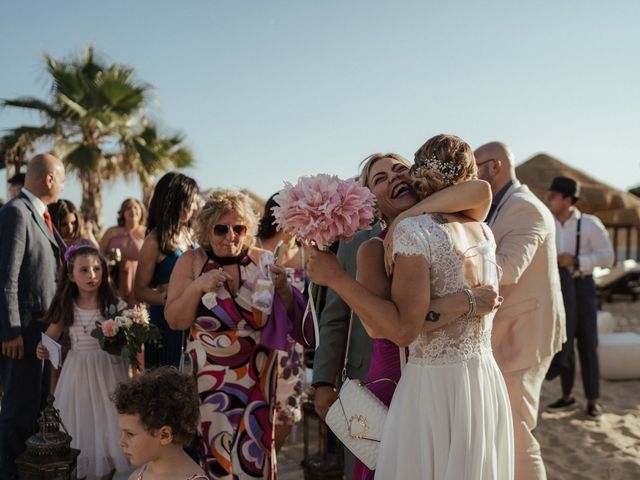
(443, 161)
(219, 203)
(367, 164)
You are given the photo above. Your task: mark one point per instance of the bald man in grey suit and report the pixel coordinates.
(30, 253)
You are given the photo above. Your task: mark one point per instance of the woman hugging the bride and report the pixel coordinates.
(450, 416)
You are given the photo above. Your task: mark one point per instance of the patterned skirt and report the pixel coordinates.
(235, 379)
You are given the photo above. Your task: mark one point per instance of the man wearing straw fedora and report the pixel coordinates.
(582, 243)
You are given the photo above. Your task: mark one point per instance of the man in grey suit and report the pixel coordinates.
(334, 328)
(30, 252)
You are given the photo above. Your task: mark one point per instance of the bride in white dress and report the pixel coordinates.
(450, 417)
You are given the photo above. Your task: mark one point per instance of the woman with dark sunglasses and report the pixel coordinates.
(240, 309)
(173, 203)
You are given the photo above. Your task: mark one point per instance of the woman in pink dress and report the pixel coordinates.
(126, 238)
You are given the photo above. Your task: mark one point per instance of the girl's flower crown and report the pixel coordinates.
(80, 244)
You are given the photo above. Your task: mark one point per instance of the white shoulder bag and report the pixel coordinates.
(357, 417)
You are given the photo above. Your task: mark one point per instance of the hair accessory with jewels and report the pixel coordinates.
(79, 244)
(449, 171)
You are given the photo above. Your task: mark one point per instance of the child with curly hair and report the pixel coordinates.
(158, 413)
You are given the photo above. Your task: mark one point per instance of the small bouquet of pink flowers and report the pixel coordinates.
(323, 208)
(123, 333)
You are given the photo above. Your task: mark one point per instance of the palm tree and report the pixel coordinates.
(95, 121)
(15, 148)
(148, 154)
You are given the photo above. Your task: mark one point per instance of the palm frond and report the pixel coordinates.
(31, 103)
(75, 107)
(182, 158)
(65, 79)
(149, 159)
(83, 157)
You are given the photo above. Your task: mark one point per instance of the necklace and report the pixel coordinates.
(90, 323)
(241, 259)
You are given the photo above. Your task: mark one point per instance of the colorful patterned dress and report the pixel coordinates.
(233, 350)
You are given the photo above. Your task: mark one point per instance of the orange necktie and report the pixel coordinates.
(47, 220)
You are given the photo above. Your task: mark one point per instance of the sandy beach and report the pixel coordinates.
(576, 448)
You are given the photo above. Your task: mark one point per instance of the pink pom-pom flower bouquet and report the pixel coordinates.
(320, 210)
(323, 208)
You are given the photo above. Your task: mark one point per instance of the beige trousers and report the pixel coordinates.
(524, 394)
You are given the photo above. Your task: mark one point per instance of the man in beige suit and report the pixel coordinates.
(529, 328)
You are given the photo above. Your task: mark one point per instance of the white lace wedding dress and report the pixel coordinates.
(450, 417)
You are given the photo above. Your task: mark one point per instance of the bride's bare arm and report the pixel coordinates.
(471, 198)
(444, 310)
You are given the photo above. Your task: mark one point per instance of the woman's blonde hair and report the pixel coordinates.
(367, 164)
(444, 160)
(365, 170)
(219, 203)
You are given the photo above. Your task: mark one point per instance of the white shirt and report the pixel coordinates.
(595, 247)
(36, 202)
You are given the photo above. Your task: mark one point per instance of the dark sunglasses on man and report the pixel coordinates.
(221, 229)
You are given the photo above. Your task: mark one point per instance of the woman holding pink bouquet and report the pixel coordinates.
(240, 309)
(450, 417)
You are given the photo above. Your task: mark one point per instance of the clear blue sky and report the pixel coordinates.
(270, 90)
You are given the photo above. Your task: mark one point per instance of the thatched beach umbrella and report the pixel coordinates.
(614, 207)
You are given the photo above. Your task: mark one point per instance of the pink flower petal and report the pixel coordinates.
(323, 208)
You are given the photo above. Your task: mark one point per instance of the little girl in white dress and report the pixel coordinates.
(89, 375)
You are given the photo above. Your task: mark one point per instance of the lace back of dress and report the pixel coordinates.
(452, 271)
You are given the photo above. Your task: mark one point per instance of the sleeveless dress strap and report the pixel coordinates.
(141, 472)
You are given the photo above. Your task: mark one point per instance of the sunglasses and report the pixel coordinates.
(222, 230)
(486, 161)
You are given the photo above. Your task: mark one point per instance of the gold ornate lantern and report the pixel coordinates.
(49, 454)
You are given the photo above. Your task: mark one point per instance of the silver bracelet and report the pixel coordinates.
(473, 306)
